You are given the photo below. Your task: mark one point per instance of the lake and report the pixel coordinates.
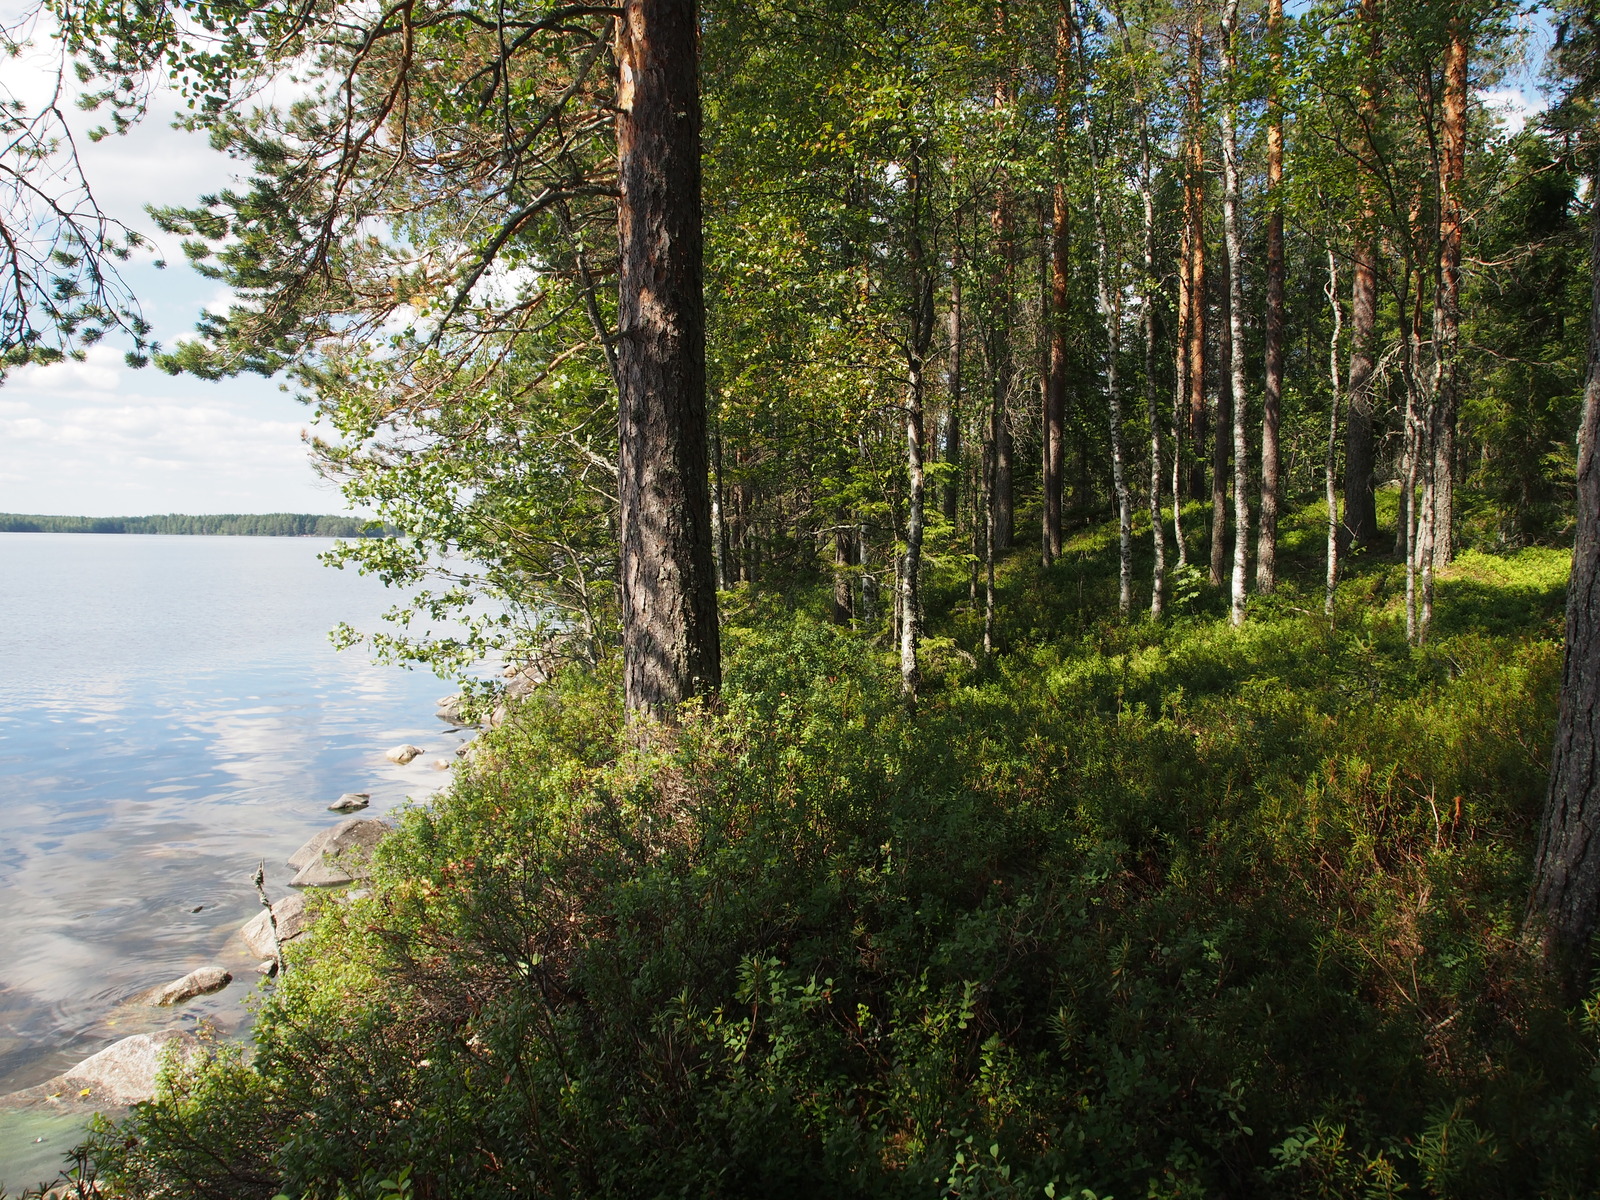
(171, 713)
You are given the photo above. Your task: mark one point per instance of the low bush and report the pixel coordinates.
(1144, 910)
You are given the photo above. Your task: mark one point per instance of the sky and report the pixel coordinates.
(97, 438)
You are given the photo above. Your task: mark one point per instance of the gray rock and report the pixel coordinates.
(442, 764)
(403, 754)
(351, 802)
(290, 913)
(450, 710)
(200, 982)
(123, 1073)
(337, 855)
(267, 967)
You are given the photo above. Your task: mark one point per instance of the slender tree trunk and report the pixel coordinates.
(1194, 215)
(1450, 227)
(1180, 397)
(1158, 571)
(869, 578)
(1110, 295)
(1148, 290)
(1267, 542)
(952, 428)
(1235, 245)
(1055, 392)
(1221, 445)
(1565, 904)
(918, 343)
(719, 529)
(1360, 506)
(1330, 457)
(671, 643)
(1410, 473)
(910, 575)
(1003, 221)
(843, 592)
(988, 523)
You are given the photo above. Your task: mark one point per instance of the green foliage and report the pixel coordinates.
(1145, 910)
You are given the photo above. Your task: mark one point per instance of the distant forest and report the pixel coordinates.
(236, 524)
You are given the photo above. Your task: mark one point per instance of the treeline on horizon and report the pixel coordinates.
(226, 524)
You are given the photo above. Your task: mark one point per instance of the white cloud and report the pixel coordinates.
(1512, 107)
(100, 372)
(99, 439)
(86, 438)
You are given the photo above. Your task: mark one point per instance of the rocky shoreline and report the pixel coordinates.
(124, 1072)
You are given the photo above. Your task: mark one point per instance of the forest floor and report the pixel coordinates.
(1142, 909)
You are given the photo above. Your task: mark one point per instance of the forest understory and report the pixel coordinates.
(1141, 909)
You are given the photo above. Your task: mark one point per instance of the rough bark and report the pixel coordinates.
(671, 643)
(1235, 250)
(1451, 220)
(1272, 392)
(1565, 904)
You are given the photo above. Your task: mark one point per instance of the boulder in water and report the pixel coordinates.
(450, 710)
(290, 914)
(123, 1073)
(403, 754)
(351, 802)
(199, 982)
(337, 855)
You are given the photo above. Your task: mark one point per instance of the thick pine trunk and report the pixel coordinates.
(1272, 393)
(1565, 903)
(1235, 247)
(671, 644)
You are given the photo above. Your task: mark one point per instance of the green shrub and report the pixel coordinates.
(1151, 910)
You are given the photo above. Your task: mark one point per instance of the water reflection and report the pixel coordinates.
(171, 712)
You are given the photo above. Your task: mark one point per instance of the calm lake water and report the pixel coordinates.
(171, 713)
